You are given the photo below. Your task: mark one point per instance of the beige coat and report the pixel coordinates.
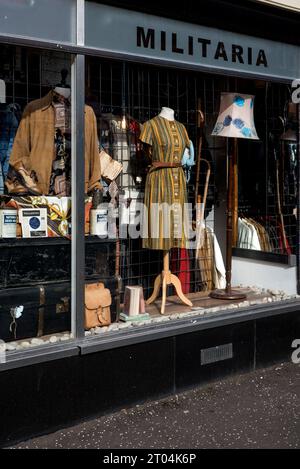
(34, 143)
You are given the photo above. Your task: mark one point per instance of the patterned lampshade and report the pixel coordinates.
(236, 117)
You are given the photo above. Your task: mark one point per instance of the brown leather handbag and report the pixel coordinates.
(97, 305)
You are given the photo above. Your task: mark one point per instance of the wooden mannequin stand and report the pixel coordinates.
(163, 280)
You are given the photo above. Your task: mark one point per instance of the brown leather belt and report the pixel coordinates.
(163, 164)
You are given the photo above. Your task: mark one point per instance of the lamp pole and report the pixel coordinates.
(228, 293)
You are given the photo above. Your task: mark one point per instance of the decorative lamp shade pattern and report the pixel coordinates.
(236, 117)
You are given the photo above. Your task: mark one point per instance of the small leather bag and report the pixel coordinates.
(97, 305)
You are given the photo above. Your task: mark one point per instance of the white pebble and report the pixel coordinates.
(37, 342)
(25, 344)
(11, 346)
(53, 339)
(64, 337)
(124, 325)
(113, 327)
(181, 315)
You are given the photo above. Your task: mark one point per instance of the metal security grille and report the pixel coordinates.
(268, 176)
(125, 93)
(137, 92)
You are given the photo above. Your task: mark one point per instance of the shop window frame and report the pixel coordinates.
(81, 344)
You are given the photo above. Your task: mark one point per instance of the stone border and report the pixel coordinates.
(271, 296)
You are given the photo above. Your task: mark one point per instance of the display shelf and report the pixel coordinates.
(19, 242)
(286, 259)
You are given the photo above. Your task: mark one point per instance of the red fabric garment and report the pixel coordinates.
(180, 266)
(134, 131)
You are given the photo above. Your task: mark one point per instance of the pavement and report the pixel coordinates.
(260, 409)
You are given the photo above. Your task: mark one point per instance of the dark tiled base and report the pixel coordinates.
(191, 371)
(40, 398)
(274, 337)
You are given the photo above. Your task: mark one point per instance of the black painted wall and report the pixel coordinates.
(41, 398)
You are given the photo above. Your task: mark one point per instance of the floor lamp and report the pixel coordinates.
(235, 121)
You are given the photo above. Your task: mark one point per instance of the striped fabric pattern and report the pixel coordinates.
(163, 228)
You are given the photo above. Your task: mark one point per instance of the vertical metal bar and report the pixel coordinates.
(80, 22)
(177, 96)
(139, 95)
(77, 179)
(100, 89)
(78, 170)
(40, 72)
(27, 79)
(266, 136)
(168, 88)
(111, 89)
(158, 90)
(13, 75)
(149, 94)
(298, 201)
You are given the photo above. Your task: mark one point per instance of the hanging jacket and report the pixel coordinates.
(34, 144)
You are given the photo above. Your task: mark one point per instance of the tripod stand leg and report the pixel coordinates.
(164, 294)
(157, 285)
(176, 282)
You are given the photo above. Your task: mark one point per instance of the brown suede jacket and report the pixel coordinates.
(34, 144)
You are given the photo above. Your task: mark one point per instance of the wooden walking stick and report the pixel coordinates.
(200, 125)
(280, 214)
(203, 256)
(201, 208)
(235, 198)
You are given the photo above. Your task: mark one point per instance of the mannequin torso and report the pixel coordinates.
(167, 113)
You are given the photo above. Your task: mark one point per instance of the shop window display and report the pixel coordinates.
(35, 197)
(268, 199)
(148, 141)
(129, 102)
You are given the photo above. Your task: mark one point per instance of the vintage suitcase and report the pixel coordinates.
(35, 311)
(40, 310)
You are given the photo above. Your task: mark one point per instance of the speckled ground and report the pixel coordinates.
(255, 410)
